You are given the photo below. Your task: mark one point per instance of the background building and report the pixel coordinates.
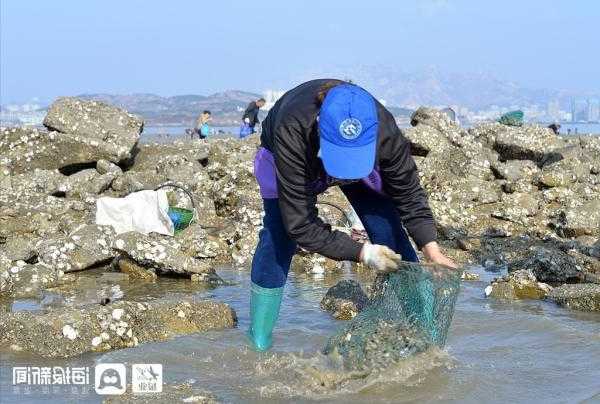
(579, 111)
(593, 110)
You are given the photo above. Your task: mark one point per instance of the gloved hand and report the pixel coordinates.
(379, 257)
(247, 120)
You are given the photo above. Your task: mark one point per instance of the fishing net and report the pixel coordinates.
(410, 311)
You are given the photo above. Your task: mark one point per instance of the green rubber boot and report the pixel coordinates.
(264, 310)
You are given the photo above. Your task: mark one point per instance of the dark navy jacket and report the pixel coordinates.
(251, 113)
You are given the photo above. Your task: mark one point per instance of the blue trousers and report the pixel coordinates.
(275, 249)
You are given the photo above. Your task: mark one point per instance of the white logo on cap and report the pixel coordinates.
(350, 128)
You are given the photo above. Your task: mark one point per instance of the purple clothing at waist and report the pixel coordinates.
(264, 170)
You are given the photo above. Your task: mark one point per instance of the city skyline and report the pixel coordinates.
(581, 111)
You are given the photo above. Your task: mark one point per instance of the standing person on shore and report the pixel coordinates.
(555, 128)
(331, 133)
(202, 128)
(250, 117)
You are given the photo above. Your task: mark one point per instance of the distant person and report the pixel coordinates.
(555, 128)
(569, 131)
(251, 113)
(202, 128)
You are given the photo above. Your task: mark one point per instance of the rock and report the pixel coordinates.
(433, 118)
(98, 185)
(163, 158)
(30, 222)
(519, 284)
(196, 243)
(106, 167)
(25, 149)
(88, 246)
(529, 142)
(517, 207)
(133, 181)
(580, 221)
(97, 121)
(134, 270)
(457, 163)
(20, 248)
(578, 297)
(562, 173)
(77, 180)
(22, 280)
(5, 279)
(515, 170)
(85, 183)
(469, 276)
(315, 264)
(208, 278)
(425, 139)
(344, 300)
(36, 181)
(519, 187)
(549, 265)
(243, 249)
(162, 254)
(73, 331)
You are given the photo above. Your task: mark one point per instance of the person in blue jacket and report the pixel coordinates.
(202, 128)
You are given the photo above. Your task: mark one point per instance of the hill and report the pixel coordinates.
(226, 106)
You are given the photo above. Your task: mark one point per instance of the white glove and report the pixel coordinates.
(379, 257)
(247, 120)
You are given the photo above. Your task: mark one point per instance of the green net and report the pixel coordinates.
(513, 118)
(410, 311)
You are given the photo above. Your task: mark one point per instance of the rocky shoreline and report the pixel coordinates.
(511, 199)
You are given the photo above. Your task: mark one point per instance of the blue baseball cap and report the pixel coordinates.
(348, 131)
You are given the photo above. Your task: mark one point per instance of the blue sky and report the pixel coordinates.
(67, 47)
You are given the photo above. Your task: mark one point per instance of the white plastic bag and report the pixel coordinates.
(143, 211)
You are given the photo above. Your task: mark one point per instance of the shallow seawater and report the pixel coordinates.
(529, 351)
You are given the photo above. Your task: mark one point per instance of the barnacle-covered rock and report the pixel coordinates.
(344, 300)
(162, 254)
(94, 120)
(25, 149)
(581, 220)
(72, 331)
(88, 246)
(520, 284)
(530, 142)
(22, 280)
(584, 297)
